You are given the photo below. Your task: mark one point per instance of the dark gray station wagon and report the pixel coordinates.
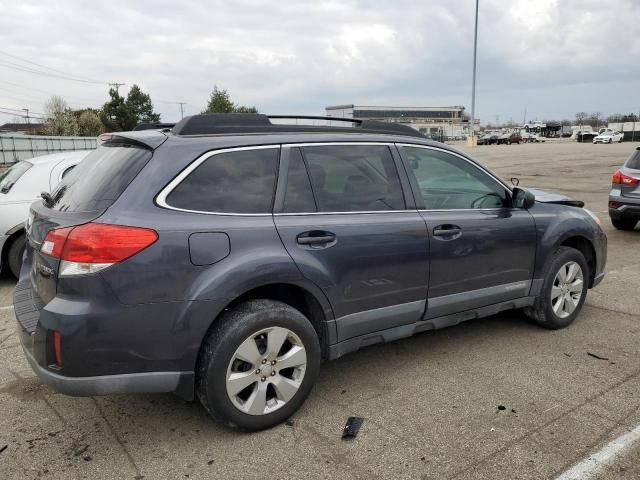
(225, 258)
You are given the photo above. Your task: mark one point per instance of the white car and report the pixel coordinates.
(20, 186)
(608, 137)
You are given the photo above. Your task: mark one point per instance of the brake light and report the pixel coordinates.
(620, 178)
(93, 247)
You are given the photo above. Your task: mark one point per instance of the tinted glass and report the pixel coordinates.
(354, 178)
(298, 197)
(100, 178)
(11, 176)
(232, 182)
(634, 160)
(449, 182)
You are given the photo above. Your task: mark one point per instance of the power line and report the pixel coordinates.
(21, 68)
(48, 68)
(117, 85)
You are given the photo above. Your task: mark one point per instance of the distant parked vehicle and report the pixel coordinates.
(624, 198)
(509, 138)
(609, 137)
(488, 139)
(532, 138)
(20, 186)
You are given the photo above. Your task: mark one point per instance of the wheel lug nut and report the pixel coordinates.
(264, 360)
(258, 372)
(273, 362)
(273, 374)
(263, 379)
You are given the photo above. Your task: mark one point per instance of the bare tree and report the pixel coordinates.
(59, 120)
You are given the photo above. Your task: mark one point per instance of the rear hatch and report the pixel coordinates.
(83, 196)
(630, 187)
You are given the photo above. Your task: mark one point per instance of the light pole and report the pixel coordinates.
(27, 110)
(473, 85)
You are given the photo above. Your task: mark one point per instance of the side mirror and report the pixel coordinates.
(522, 198)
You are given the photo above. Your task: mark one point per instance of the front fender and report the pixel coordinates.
(556, 224)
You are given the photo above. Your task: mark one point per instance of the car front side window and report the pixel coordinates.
(448, 182)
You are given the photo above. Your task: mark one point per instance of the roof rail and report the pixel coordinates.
(234, 123)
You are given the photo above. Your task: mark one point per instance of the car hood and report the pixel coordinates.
(548, 196)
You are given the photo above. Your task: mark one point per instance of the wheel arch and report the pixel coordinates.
(12, 234)
(584, 246)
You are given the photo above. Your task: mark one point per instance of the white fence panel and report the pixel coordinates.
(14, 148)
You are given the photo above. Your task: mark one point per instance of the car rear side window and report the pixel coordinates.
(231, 182)
(634, 160)
(298, 197)
(100, 178)
(354, 178)
(9, 178)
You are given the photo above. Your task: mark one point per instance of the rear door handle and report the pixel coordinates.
(315, 238)
(447, 232)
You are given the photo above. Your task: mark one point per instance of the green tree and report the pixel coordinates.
(120, 114)
(59, 119)
(89, 124)
(220, 102)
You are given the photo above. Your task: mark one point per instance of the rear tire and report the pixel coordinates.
(15, 254)
(564, 290)
(242, 380)
(624, 223)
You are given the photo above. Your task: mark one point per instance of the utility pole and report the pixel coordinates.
(181, 110)
(27, 110)
(524, 119)
(473, 87)
(117, 86)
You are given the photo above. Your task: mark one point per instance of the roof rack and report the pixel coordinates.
(234, 123)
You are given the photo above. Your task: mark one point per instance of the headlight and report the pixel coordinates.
(594, 216)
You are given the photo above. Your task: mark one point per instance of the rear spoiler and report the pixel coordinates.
(150, 139)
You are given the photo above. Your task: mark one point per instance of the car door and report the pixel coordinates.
(482, 250)
(351, 228)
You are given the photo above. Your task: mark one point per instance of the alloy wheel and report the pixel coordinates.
(266, 371)
(566, 290)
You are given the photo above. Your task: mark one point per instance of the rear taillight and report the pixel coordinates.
(93, 247)
(620, 178)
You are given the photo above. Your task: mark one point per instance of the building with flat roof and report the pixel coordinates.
(436, 122)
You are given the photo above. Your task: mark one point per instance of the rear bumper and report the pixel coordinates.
(628, 207)
(111, 384)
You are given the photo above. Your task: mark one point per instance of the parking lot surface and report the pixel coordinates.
(492, 398)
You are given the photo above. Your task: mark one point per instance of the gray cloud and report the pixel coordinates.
(549, 56)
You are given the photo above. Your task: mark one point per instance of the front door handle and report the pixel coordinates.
(315, 237)
(447, 232)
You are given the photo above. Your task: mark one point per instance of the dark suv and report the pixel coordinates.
(225, 258)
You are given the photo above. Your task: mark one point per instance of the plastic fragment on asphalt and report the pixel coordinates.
(2, 449)
(352, 427)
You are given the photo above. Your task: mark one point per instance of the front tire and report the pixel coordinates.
(258, 364)
(15, 254)
(564, 290)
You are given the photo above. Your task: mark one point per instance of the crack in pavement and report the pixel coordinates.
(606, 309)
(115, 435)
(526, 435)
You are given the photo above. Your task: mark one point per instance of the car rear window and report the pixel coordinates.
(634, 160)
(242, 181)
(9, 178)
(100, 178)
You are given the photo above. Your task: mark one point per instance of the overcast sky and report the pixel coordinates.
(552, 57)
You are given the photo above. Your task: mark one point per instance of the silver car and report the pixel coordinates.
(624, 198)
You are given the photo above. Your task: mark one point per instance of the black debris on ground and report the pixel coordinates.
(289, 422)
(352, 427)
(501, 407)
(599, 357)
(2, 449)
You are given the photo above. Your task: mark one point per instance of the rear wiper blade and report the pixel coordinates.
(47, 198)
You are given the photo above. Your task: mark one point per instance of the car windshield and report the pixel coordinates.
(9, 178)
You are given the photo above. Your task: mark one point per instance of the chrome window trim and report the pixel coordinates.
(161, 198)
(369, 212)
